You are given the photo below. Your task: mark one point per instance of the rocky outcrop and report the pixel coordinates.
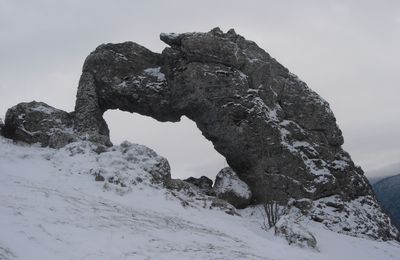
(361, 217)
(229, 187)
(37, 122)
(156, 165)
(278, 135)
(120, 167)
(295, 233)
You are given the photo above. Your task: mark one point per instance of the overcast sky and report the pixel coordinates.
(347, 51)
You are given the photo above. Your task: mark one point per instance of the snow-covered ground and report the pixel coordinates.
(49, 209)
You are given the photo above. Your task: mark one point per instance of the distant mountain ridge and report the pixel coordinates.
(374, 180)
(387, 192)
(387, 171)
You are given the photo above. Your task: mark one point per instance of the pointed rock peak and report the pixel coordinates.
(217, 31)
(231, 32)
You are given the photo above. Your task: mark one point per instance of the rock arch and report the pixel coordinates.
(277, 134)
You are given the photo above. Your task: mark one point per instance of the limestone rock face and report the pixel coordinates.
(229, 187)
(278, 135)
(37, 122)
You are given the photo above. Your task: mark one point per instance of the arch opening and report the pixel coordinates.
(189, 153)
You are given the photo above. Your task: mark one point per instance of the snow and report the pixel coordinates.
(122, 84)
(297, 147)
(142, 81)
(225, 72)
(273, 91)
(155, 72)
(339, 164)
(359, 217)
(232, 183)
(243, 76)
(51, 208)
(43, 109)
(121, 56)
(261, 109)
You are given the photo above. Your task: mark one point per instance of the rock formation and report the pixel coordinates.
(279, 136)
(37, 122)
(295, 233)
(229, 187)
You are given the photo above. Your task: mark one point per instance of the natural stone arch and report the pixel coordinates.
(277, 134)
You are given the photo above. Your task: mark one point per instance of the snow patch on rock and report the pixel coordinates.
(229, 187)
(155, 72)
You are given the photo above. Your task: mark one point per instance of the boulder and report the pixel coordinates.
(120, 167)
(229, 187)
(295, 233)
(37, 122)
(203, 183)
(147, 160)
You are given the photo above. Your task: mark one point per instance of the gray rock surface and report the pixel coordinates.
(203, 183)
(37, 122)
(229, 187)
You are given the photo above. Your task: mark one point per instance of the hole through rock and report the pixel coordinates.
(188, 152)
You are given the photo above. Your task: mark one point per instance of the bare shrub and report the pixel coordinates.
(272, 213)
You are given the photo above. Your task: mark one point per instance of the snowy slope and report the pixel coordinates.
(50, 209)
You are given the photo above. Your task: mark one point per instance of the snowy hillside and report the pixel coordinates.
(51, 207)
